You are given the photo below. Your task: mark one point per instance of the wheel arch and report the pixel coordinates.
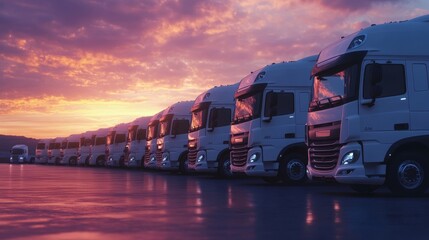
(413, 144)
(222, 153)
(300, 148)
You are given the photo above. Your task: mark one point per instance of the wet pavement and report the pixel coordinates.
(53, 202)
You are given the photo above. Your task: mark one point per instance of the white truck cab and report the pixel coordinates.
(368, 118)
(87, 139)
(19, 154)
(42, 151)
(135, 148)
(98, 149)
(151, 137)
(209, 132)
(172, 142)
(115, 145)
(54, 150)
(268, 127)
(71, 150)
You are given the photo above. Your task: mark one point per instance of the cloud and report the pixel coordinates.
(353, 5)
(154, 53)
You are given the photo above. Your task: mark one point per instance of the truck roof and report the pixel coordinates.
(20, 146)
(141, 122)
(408, 37)
(120, 128)
(283, 74)
(74, 138)
(179, 108)
(218, 94)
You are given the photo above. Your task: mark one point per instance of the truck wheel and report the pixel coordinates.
(292, 169)
(72, 161)
(363, 188)
(100, 162)
(224, 166)
(183, 165)
(121, 161)
(408, 174)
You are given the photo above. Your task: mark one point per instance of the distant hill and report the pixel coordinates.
(6, 143)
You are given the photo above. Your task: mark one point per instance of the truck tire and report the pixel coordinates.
(183, 164)
(100, 162)
(292, 169)
(408, 174)
(224, 166)
(73, 161)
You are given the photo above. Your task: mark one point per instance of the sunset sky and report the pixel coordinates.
(74, 65)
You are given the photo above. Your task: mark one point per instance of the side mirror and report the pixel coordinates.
(376, 74)
(174, 129)
(271, 102)
(212, 120)
(376, 90)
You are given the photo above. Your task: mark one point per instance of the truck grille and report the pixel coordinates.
(239, 150)
(192, 154)
(146, 154)
(158, 157)
(324, 145)
(324, 154)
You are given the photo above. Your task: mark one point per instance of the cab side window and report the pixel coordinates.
(388, 78)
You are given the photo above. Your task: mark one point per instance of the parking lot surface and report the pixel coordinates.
(54, 202)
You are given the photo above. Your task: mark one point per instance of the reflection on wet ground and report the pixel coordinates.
(50, 202)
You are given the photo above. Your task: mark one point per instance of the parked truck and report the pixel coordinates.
(268, 128)
(136, 143)
(54, 150)
(151, 138)
(172, 142)
(42, 151)
(71, 150)
(209, 132)
(19, 154)
(368, 118)
(87, 140)
(98, 149)
(115, 145)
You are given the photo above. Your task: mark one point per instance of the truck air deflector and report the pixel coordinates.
(334, 64)
(250, 90)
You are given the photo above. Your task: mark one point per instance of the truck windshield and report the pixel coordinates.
(335, 88)
(152, 130)
(40, 146)
(132, 133)
(247, 107)
(17, 151)
(54, 146)
(72, 145)
(120, 138)
(100, 141)
(165, 125)
(199, 118)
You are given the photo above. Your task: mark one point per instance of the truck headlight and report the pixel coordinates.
(132, 159)
(200, 158)
(152, 158)
(165, 158)
(254, 157)
(21, 158)
(350, 157)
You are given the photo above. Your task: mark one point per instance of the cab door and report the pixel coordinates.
(384, 103)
